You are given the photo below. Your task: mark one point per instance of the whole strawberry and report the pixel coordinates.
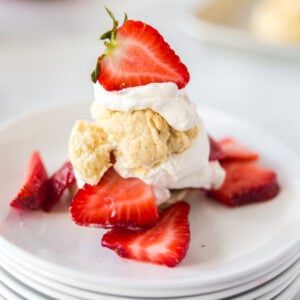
(137, 54)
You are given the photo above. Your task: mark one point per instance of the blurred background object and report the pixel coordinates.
(233, 13)
(265, 26)
(277, 20)
(270, 20)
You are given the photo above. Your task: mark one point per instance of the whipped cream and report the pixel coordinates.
(189, 169)
(166, 99)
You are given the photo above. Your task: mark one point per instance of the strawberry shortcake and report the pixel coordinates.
(146, 146)
(143, 149)
(144, 125)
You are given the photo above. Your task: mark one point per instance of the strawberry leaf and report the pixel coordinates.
(106, 35)
(125, 19)
(95, 73)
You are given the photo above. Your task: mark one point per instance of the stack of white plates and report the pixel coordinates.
(251, 252)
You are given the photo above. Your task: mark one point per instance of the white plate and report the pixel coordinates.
(275, 286)
(265, 291)
(27, 286)
(40, 278)
(12, 289)
(35, 283)
(231, 29)
(228, 246)
(291, 291)
(7, 293)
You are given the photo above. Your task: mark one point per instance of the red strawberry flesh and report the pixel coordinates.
(57, 184)
(246, 182)
(233, 150)
(33, 191)
(165, 244)
(139, 56)
(216, 152)
(115, 202)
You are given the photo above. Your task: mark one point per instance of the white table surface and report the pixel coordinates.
(49, 48)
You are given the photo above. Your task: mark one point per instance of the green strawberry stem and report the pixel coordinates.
(111, 36)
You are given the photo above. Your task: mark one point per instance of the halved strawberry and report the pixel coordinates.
(115, 202)
(233, 150)
(57, 184)
(166, 243)
(246, 182)
(137, 55)
(33, 191)
(216, 152)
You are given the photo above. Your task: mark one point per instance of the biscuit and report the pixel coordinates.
(141, 139)
(89, 151)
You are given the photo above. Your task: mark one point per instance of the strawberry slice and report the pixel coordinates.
(137, 55)
(57, 184)
(33, 191)
(216, 152)
(232, 150)
(165, 244)
(115, 202)
(245, 182)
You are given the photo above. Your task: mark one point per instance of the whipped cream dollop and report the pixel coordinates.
(189, 169)
(166, 99)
